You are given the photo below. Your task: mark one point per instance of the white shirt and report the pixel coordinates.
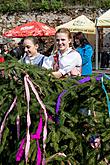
(67, 61)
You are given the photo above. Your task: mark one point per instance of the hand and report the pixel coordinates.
(49, 74)
(57, 74)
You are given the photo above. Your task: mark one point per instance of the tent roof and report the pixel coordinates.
(104, 19)
(32, 28)
(81, 23)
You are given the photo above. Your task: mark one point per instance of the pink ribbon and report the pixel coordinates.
(39, 130)
(4, 120)
(27, 147)
(37, 136)
(39, 157)
(46, 117)
(18, 125)
(33, 136)
(20, 150)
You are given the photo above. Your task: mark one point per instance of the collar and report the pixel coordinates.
(33, 57)
(66, 52)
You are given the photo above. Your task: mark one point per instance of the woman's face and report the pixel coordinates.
(30, 48)
(77, 41)
(62, 42)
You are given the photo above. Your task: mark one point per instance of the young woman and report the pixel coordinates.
(65, 61)
(31, 55)
(86, 51)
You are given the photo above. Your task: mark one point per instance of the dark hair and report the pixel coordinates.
(83, 40)
(64, 30)
(33, 39)
(17, 52)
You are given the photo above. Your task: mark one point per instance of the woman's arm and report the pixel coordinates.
(88, 52)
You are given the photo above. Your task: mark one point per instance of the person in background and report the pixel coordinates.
(49, 51)
(65, 61)
(3, 48)
(41, 45)
(85, 50)
(13, 43)
(18, 50)
(2, 59)
(31, 55)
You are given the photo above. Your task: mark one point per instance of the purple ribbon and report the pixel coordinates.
(39, 130)
(39, 157)
(82, 81)
(35, 136)
(20, 151)
(98, 78)
(59, 100)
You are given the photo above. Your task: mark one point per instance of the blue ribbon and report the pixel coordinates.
(103, 87)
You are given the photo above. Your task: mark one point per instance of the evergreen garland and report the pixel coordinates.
(83, 115)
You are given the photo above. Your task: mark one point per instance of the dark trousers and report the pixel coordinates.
(104, 60)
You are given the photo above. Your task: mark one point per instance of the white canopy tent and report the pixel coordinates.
(102, 22)
(81, 23)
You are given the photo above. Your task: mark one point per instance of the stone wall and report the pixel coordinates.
(8, 20)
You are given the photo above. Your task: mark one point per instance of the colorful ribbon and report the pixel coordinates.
(18, 126)
(27, 147)
(82, 81)
(4, 120)
(36, 136)
(103, 87)
(20, 151)
(39, 130)
(46, 118)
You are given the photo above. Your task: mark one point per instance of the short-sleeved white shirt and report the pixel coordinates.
(67, 61)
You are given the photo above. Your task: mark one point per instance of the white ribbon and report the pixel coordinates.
(45, 114)
(4, 120)
(27, 147)
(18, 126)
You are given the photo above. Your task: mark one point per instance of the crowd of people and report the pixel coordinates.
(69, 55)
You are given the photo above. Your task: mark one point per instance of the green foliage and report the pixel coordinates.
(83, 112)
(47, 5)
(57, 5)
(106, 4)
(14, 6)
(44, 5)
